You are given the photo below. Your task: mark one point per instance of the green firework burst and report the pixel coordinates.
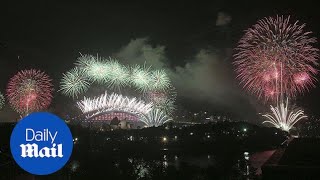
(141, 78)
(118, 75)
(96, 69)
(161, 80)
(74, 82)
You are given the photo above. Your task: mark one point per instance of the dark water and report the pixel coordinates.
(162, 166)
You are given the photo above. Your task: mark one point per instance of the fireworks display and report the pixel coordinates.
(283, 117)
(155, 118)
(141, 79)
(163, 100)
(276, 51)
(111, 73)
(167, 106)
(29, 91)
(276, 59)
(160, 80)
(2, 100)
(113, 102)
(94, 68)
(74, 82)
(118, 76)
(154, 87)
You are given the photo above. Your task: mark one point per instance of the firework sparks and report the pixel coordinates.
(109, 72)
(29, 90)
(74, 82)
(119, 75)
(113, 102)
(284, 118)
(161, 80)
(167, 106)
(2, 101)
(155, 118)
(163, 100)
(276, 51)
(95, 68)
(141, 78)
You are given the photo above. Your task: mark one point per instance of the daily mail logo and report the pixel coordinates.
(41, 143)
(32, 150)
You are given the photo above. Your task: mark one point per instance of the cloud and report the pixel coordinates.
(138, 51)
(209, 77)
(201, 76)
(223, 19)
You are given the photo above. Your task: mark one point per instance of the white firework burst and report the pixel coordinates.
(113, 102)
(155, 118)
(284, 118)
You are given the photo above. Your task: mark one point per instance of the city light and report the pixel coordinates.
(164, 139)
(246, 155)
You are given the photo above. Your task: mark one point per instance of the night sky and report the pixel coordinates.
(194, 41)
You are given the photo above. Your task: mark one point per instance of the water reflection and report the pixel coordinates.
(74, 166)
(164, 166)
(143, 168)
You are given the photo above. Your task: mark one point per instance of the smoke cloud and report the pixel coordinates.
(208, 75)
(223, 19)
(138, 51)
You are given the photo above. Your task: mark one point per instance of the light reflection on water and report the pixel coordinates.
(147, 168)
(142, 168)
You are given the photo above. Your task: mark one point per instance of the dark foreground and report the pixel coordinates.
(209, 151)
